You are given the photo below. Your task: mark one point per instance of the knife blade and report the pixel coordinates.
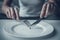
(37, 21)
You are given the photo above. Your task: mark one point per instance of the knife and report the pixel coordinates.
(38, 21)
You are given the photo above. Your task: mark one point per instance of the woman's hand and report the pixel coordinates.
(47, 9)
(10, 12)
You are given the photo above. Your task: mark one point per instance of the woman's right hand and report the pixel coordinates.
(10, 12)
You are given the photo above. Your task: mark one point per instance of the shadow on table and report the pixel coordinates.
(52, 17)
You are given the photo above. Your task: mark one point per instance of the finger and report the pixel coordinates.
(43, 10)
(52, 9)
(8, 13)
(16, 13)
(12, 13)
(47, 9)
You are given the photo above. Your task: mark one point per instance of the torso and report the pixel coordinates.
(30, 8)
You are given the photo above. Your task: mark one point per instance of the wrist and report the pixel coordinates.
(51, 1)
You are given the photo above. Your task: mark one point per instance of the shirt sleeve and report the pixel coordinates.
(58, 2)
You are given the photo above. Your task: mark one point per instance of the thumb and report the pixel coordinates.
(16, 13)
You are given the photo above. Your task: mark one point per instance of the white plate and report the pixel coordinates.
(21, 30)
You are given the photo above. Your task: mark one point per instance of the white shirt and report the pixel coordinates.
(30, 8)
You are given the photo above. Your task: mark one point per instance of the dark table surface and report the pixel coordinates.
(52, 17)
